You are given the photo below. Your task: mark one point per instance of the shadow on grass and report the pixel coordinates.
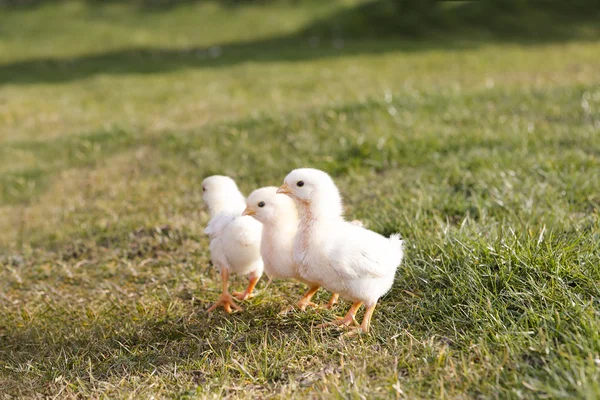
(117, 346)
(404, 25)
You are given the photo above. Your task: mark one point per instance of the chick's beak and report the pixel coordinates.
(284, 189)
(249, 211)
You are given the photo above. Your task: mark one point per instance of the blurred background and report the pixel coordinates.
(99, 78)
(471, 127)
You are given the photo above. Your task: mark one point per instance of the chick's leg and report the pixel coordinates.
(248, 293)
(366, 322)
(225, 298)
(305, 300)
(332, 301)
(348, 319)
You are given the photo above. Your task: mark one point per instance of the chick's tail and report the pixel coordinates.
(398, 245)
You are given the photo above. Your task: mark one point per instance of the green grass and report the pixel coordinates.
(482, 150)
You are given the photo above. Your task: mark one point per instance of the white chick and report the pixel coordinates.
(344, 258)
(235, 239)
(279, 217)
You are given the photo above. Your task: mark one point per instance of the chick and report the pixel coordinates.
(280, 223)
(235, 239)
(344, 258)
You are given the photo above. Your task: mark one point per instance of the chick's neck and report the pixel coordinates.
(321, 209)
(281, 225)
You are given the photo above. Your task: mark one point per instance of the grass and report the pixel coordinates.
(484, 152)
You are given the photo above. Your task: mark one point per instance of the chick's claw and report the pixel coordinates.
(345, 321)
(340, 321)
(303, 304)
(247, 294)
(243, 295)
(226, 301)
(355, 331)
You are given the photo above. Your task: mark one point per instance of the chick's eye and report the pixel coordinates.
(261, 204)
(300, 183)
(204, 189)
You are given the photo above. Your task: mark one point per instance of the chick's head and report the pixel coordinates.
(313, 189)
(268, 207)
(221, 194)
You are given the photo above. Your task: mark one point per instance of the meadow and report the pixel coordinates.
(472, 131)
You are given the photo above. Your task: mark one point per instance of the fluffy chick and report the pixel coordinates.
(279, 217)
(344, 258)
(235, 239)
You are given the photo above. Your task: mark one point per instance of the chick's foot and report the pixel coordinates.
(227, 302)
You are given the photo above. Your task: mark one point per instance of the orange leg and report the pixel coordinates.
(305, 300)
(225, 298)
(348, 319)
(332, 301)
(366, 322)
(248, 293)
